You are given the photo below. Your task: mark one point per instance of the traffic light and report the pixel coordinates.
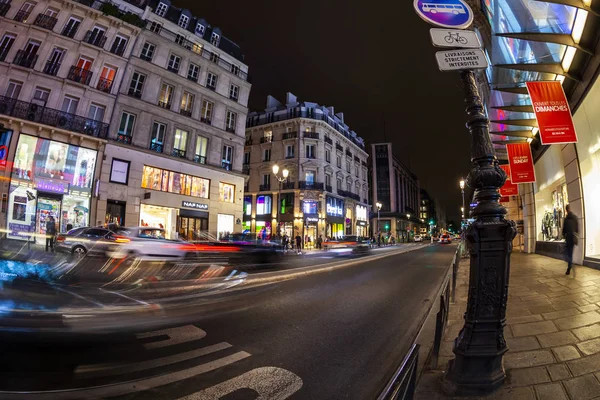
(432, 222)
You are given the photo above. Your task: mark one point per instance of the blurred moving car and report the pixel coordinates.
(348, 244)
(146, 242)
(418, 238)
(436, 238)
(81, 241)
(445, 238)
(250, 248)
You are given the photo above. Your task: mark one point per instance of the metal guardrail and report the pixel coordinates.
(404, 381)
(441, 320)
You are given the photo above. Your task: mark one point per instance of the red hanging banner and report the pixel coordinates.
(552, 112)
(521, 163)
(509, 188)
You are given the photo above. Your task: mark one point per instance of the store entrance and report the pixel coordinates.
(192, 228)
(47, 205)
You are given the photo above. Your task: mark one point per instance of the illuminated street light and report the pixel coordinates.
(378, 205)
(284, 175)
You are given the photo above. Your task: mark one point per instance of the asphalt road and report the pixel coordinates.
(332, 335)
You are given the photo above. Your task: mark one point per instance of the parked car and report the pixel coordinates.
(347, 244)
(418, 238)
(445, 238)
(81, 241)
(148, 243)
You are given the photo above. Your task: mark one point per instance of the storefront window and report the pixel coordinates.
(175, 182)
(247, 227)
(159, 217)
(263, 230)
(335, 207)
(247, 205)
(550, 195)
(224, 225)
(287, 203)
(226, 192)
(310, 207)
(263, 205)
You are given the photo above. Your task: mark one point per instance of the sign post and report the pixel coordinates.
(480, 347)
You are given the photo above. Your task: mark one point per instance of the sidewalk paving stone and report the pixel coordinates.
(558, 372)
(557, 339)
(561, 313)
(533, 328)
(583, 387)
(577, 321)
(527, 376)
(587, 332)
(523, 343)
(566, 353)
(589, 347)
(551, 391)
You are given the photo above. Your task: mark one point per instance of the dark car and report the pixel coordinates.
(348, 244)
(445, 238)
(81, 241)
(250, 248)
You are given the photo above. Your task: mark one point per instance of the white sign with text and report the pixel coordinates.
(452, 60)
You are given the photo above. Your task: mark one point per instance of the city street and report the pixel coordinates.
(330, 335)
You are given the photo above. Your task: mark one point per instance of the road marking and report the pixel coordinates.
(120, 389)
(108, 369)
(177, 335)
(269, 382)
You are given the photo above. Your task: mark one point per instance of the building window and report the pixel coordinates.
(289, 151)
(41, 94)
(161, 9)
(157, 140)
(247, 157)
(230, 121)
(226, 192)
(348, 166)
(180, 143)
(174, 182)
(268, 135)
(201, 149)
(166, 95)
(119, 44)
(327, 155)
(339, 161)
(339, 184)
(71, 27)
(155, 27)
(263, 205)
(310, 151)
(214, 57)
(174, 62)
(180, 40)
(6, 45)
(206, 115)
(364, 174)
(13, 90)
(267, 155)
(200, 29)
(266, 181)
(196, 48)
(184, 20)
(235, 69)
(227, 157)
(234, 92)
(248, 205)
(147, 51)
(107, 77)
(356, 171)
(214, 39)
(187, 104)
(96, 112)
(126, 125)
(328, 180)
(211, 81)
(137, 84)
(193, 72)
(70, 104)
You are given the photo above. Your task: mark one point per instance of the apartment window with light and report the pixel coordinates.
(187, 104)
(309, 176)
(226, 192)
(157, 139)
(339, 161)
(180, 142)
(155, 27)
(14, 89)
(193, 72)
(211, 81)
(289, 151)
(234, 92)
(166, 95)
(227, 157)
(174, 62)
(137, 84)
(310, 151)
(184, 20)
(327, 155)
(206, 113)
(267, 155)
(161, 9)
(230, 121)
(201, 149)
(127, 123)
(268, 135)
(147, 51)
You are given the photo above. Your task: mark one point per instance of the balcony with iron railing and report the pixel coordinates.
(211, 87)
(199, 159)
(185, 112)
(311, 135)
(51, 68)
(290, 156)
(178, 153)
(173, 69)
(348, 153)
(264, 187)
(45, 21)
(266, 139)
(95, 38)
(135, 93)
(4, 7)
(157, 147)
(124, 138)
(165, 104)
(310, 185)
(246, 169)
(328, 140)
(198, 48)
(70, 31)
(290, 135)
(105, 85)
(288, 185)
(230, 129)
(25, 59)
(226, 165)
(49, 116)
(348, 194)
(80, 75)
(22, 16)
(205, 120)
(339, 148)
(356, 159)
(328, 188)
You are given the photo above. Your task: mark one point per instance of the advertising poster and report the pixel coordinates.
(521, 163)
(509, 188)
(5, 136)
(552, 112)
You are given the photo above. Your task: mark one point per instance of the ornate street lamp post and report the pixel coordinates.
(462, 191)
(378, 205)
(284, 175)
(480, 345)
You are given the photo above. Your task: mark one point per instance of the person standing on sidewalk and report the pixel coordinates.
(50, 233)
(569, 232)
(298, 243)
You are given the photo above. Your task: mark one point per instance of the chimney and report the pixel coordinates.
(340, 115)
(290, 99)
(272, 103)
(331, 111)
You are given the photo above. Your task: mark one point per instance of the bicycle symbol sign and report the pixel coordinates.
(454, 38)
(445, 13)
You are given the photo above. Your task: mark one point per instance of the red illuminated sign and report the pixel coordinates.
(509, 188)
(552, 112)
(521, 163)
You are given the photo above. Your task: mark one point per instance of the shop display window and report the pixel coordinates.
(551, 195)
(247, 205)
(226, 192)
(175, 182)
(310, 207)
(263, 205)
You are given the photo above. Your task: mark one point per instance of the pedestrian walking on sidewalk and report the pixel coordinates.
(50, 233)
(320, 242)
(299, 243)
(570, 234)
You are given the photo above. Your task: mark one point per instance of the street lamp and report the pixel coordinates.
(284, 175)
(462, 191)
(378, 205)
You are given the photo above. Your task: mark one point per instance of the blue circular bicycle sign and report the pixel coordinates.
(445, 13)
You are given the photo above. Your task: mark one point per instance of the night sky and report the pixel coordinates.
(371, 63)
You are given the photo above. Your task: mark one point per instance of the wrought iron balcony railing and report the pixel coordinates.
(21, 16)
(266, 139)
(200, 159)
(226, 165)
(123, 138)
(339, 148)
(187, 113)
(328, 188)
(70, 31)
(135, 93)
(288, 185)
(95, 38)
(51, 68)
(165, 104)
(311, 185)
(45, 21)
(205, 120)
(328, 140)
(49, 116)
(264, 187)
(290, 135)
(105, 85)
(157, 147)
(178, 153)
(230, 129)
(311, 135)
(25, 59)
(80, 75)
